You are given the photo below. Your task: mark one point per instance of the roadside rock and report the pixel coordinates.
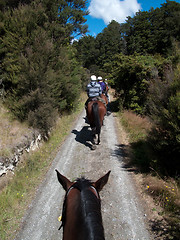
(26, 143)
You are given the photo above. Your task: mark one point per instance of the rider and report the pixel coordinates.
(107, 87)
(103, 85)
(94, 91)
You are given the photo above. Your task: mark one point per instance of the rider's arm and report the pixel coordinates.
(100, 91)
(87, 90)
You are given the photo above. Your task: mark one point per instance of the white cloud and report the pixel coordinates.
(117, 10)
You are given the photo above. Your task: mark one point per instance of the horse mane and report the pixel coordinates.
(90, 207)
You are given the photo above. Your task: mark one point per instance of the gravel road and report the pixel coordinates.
(122, 211)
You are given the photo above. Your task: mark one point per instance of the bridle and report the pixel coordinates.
(76, 187)
(73, 186)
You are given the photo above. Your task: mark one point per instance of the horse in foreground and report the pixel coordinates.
(81, 216)
(96, 110)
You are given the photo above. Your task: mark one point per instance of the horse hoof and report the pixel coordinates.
(93, 147)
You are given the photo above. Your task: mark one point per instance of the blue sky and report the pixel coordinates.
(103, 11)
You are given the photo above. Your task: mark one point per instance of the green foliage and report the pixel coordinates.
(164, 107)
(86, 51)
(11, 4)
(39, 69)
(109, 43)
(139, 35)
(153, 31)
(149, 32)
(93, 53)
(131, 76)
(150, 85)
(71, 16)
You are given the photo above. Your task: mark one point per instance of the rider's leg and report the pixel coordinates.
(86, 106)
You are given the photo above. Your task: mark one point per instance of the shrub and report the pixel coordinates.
(131, 76)
(164, 110)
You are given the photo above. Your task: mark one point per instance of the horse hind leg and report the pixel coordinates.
(98, 141)
(93, 139)
(93, 147)
(93, 135)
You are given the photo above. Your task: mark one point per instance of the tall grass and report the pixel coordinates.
(164, 190)
(137, 128)
(16, 196)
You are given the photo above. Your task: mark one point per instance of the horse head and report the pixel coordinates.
(81, 217)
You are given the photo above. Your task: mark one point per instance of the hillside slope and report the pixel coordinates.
(15, 137)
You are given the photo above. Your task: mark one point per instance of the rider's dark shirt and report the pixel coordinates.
(103, 86)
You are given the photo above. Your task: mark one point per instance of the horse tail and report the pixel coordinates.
(95, 109)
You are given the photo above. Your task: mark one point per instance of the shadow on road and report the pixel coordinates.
(84, 136)
(165, 229)
(122, 153)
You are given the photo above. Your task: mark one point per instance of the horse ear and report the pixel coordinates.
(99, 184)
(63, 181)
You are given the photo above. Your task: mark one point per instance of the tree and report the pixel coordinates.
(166, 26)
(153, 31)
(95, 52)
(86, 51)
(71, 16)
(109, 43)
(12, 4)
(131, 75)
(164, 110)
(138, 33)
(41, 74)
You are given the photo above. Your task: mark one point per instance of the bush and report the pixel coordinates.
(164, 110)
(131, 75)
(43, 118)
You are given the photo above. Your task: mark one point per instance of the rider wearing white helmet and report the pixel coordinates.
(103, 85)
(93, 88)
(94, 91)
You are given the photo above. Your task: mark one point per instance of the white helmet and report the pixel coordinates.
(93, 78)
(99, 78)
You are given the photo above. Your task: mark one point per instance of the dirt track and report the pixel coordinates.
(122, 211)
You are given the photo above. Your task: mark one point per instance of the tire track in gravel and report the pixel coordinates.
(122, 212)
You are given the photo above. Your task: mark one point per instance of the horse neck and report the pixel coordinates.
(84, 220)
(72, 216)
(91, 214)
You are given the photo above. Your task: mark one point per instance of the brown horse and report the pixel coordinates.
(106, 92)
(96, 111)
(81, 217)
(107, 89)
(103, 96)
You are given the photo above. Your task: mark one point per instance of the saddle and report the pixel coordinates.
(98, 99)
(94, 99)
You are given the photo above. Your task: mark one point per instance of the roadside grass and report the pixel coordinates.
(21, 189)
(164, 191)
(166, 194)
(137, 128)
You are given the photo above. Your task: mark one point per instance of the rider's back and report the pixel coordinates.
(93, 89)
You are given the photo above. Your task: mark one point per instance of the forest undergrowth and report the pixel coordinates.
(164, 191)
